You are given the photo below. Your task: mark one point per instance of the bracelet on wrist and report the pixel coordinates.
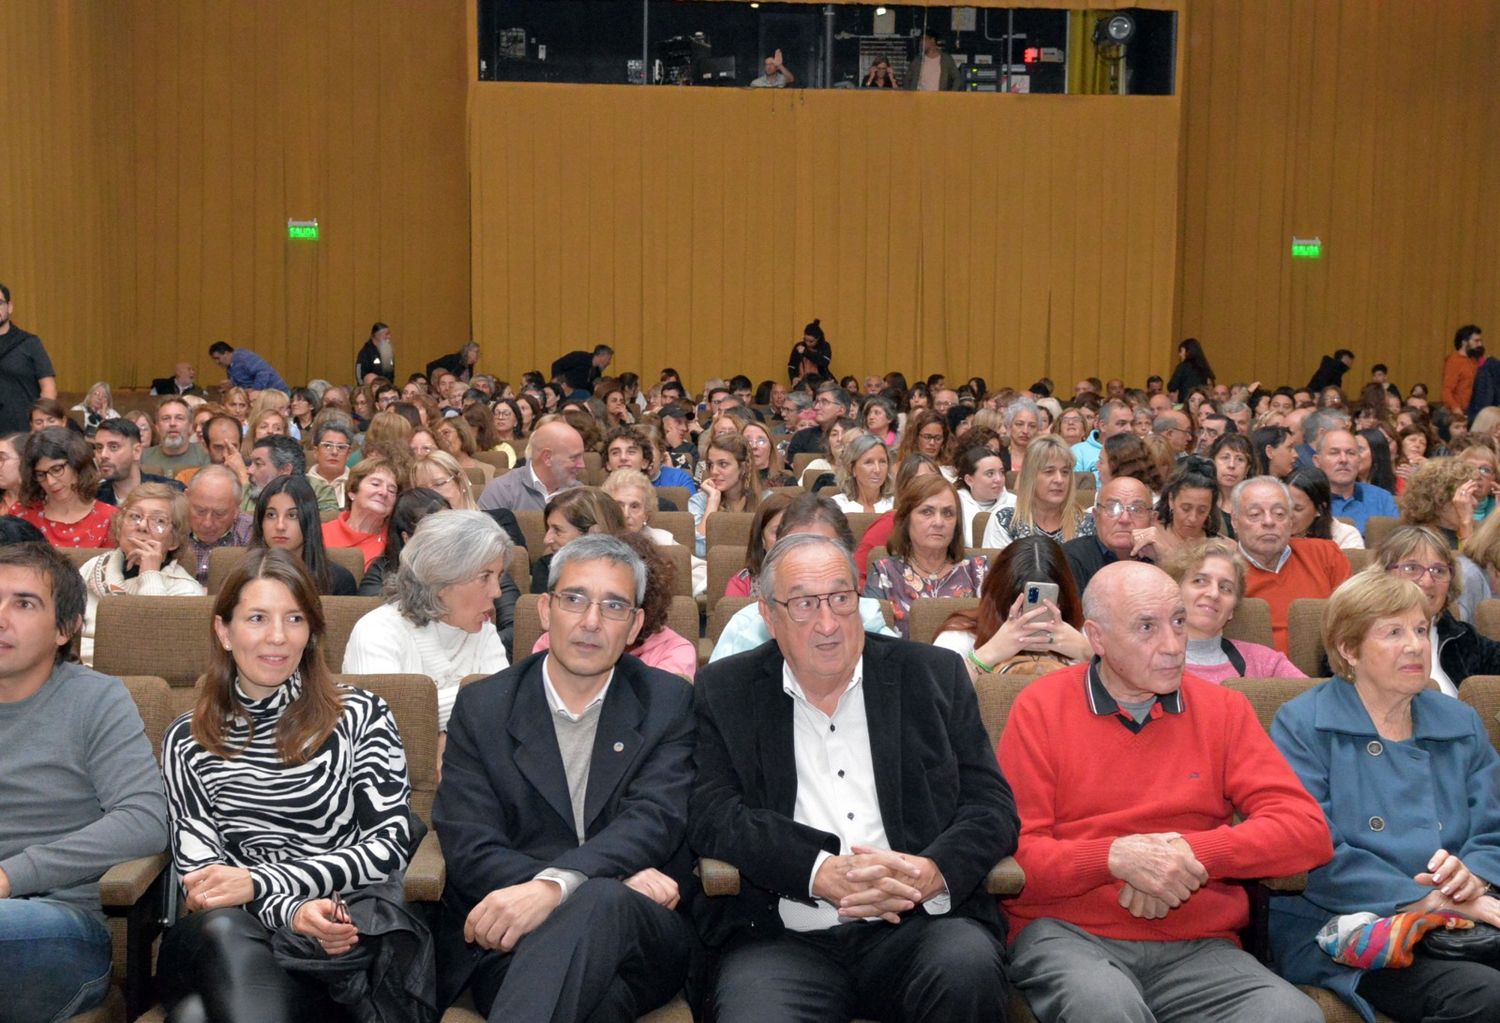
(984, 669)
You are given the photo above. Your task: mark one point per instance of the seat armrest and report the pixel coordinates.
(1292, 883)
(426, 873)
(1005, 878)
(718, 877)
(123, 884)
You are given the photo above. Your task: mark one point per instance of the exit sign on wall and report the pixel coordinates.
(302, 230)
(1307, 248)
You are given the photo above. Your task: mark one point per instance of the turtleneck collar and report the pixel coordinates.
(274, 704)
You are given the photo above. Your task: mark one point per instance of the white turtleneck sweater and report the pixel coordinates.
(384, 642)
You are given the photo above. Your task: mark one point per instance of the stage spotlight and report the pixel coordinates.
(1114, 28)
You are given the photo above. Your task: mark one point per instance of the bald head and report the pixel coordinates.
(1123, 506)
(1134, 618)
(213, 502)
(557, 455)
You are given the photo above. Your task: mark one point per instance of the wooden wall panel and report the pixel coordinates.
(1005, 236)
(1358, 121)
(160, 148)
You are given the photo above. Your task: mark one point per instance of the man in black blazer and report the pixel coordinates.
(562, 812)
(850, 779)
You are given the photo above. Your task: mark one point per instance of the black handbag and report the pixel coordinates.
(1477, 944)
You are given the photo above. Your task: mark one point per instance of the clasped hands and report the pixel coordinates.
(1455, 889)
(868, 883)
(506, 915)
(1160, 873)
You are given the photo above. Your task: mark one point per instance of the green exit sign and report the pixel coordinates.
(1307, 248)
(302, 230)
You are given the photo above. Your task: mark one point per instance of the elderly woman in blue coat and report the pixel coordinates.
(1411, 788)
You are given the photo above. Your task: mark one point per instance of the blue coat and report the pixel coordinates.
(1390, 806)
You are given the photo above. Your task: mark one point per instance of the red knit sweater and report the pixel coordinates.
(1081, 780)
(1315, 569)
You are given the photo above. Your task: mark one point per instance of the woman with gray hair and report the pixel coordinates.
(1023, 422)
(439, 620)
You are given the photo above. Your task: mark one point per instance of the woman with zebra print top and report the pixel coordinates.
(283, 789)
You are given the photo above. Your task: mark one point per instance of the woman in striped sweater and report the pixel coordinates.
(283, 789)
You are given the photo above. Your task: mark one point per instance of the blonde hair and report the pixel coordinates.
(1187, 560)
(1431, 488)
(1358, 604)
(1043, 450)
(624, 479)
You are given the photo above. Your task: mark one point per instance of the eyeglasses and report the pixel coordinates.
(54, 473)
(1413, 571)
(1485, 470)
(332, 448)
(612, 608)
(156, 524)
(1114, 509)
(805, 608)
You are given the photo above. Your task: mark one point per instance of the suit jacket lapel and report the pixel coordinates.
(775, 750)
(616, 743)
(536, 754)
(883, 716)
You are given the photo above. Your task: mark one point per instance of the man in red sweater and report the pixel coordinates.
(1281, 569)
(1127, 775)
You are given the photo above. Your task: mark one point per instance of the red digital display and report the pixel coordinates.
(1032, 55)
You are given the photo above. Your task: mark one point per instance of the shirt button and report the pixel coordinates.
(841, 774)
(833, 728)
(851, 816)
(1377, 823)
(1374, 748)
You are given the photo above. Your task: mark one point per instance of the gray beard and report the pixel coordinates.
(387, 357)
(174, 449)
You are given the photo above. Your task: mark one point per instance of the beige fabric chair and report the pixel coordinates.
(678, 496)
(167, 637)
(678, 523)
(222, 561)
(339, 616)
(927, 615)
(79, 556)
(1482, 692)
(1377, 528)
(534, 529)
(518, 567)
(1487, 619)
(724, 563)
(1304, 635)
(1251, 622)
(728, 529)
(1359, 558)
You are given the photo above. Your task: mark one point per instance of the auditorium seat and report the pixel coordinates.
(498, 459)
(1251, 622)
(724, 563)
(728, 529)
(678, 523)
(1482, 692)
(1377, 528)
(1487, 619)
(1304, 635)
(1360, 558)
(927, 615)
(79, 556)
(802, 460)
(678, 496)
(859, 522)
(518, 567)
(534, 529)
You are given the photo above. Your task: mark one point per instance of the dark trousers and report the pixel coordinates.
(606, 954)
(1439, 990)
(924, 968)
(218, 966)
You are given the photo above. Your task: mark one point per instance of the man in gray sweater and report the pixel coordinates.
(80, 791)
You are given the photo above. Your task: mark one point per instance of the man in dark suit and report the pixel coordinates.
(580, 369)
(562, 812)
(184, 380)
(850, 779)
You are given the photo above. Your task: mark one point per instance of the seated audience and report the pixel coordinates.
(554, 462)
(1337, 454)
(762, 538)
(80, 792)
(927, 556)
(569, 515)
(279, 455)
(1407, 779)
(1312, 510)
(1122, 511)
(916, 857)
(58, 484)
(564, 874)
(765, 457)
(1001, 636)
(1132, 906)
(46, 413)
(286, 518)
(149, 536)
(635, 495)
(1442, 494)
(1187, 510)
(730, 483)
(510, 435)
(440, 472)
(97, 406)
(1419, 553)
(215, 516)
(1211, 576)
(807, 513)
(414, 505)
(1233, 461)
(288, 797)
(981, 488)
(1275, 454)
(117, 456)
(174, 450)
(456, 438)
(1281, 568)
(1023, 424)
(864, 476)
(1044, 498)
(655, 645)
(184, 380)
(333, 442)
(439, 616)
(373, 486)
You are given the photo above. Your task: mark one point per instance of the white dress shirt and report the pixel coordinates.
(835, 789)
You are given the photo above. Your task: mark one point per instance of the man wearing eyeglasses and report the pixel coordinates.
(1282, 569)
(1175, 428)
(831, 404)
(851, 781)
(562, 811)
(1122, 507)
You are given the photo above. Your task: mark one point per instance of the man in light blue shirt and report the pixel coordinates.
(1337, 454)
(1115, 416)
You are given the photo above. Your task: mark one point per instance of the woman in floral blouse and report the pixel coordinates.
(926, 551)
(58, 484)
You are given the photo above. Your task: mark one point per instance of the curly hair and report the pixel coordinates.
(1430, 489)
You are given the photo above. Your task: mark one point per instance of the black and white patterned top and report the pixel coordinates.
(338, 822)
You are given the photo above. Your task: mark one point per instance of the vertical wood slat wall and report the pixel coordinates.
(157, 150)
(1005, 236)
(1370, 123)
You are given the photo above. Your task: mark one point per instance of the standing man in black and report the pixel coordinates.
(562, 812)
(580, 369)
(850, 779)
(376, 356)
(461, 363)
(26, 372)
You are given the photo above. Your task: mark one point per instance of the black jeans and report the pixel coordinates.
(218, 966)
(1439, 990)
(925, 968)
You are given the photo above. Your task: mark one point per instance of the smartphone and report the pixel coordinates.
(1037, 593)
